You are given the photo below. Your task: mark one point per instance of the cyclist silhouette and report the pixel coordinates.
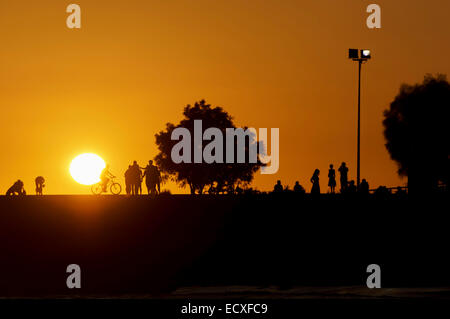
(105, 177)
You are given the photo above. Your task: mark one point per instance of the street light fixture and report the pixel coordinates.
(365, 54)
(362, 56)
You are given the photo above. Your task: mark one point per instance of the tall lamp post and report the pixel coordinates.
(362, 56)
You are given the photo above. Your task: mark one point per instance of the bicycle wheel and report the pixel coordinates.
(97, 189)
(115, 188)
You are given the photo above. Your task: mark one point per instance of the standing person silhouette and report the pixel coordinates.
(332, 179)
(39, 181)
(128, 179)
(157, 177)
(136, 178)
(315, 190)
(139, 183)
(152, 178)
(343, 170)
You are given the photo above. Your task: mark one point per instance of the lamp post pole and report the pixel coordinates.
(360, 56)
(358, 160)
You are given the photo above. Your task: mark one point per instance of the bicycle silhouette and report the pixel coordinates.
(114, 187)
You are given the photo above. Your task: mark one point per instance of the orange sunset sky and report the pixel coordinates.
(110, 86)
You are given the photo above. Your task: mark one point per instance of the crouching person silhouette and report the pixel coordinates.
(16, 189)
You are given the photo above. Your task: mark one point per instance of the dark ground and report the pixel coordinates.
(180, 246)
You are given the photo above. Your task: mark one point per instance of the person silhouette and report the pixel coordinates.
(315, 190)
(136, 174)
(152, 178)
(332, 179)
(16, 189)
(128, 179)
(278, 188)
(364, 187)
(343, 170)
(105, 177)
(351, 187)
(40, 184)
(139, 183)
(298, 188)
(157, 178)
(147, 176)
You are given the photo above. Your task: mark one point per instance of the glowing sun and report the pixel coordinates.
(86, 168)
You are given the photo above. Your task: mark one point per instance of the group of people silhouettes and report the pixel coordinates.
(135, 174)
(346, 186)
(18, 188)
(278, 188)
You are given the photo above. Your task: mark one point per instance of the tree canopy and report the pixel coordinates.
(417, 133)
(218, 176)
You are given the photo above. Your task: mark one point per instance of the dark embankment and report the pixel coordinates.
(142, 245)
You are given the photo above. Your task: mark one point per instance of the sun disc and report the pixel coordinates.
(86, 168)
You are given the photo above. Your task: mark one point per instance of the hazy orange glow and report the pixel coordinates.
(133, 66)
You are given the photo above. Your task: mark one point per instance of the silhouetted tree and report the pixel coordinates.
(417, 133)
(199, 175)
